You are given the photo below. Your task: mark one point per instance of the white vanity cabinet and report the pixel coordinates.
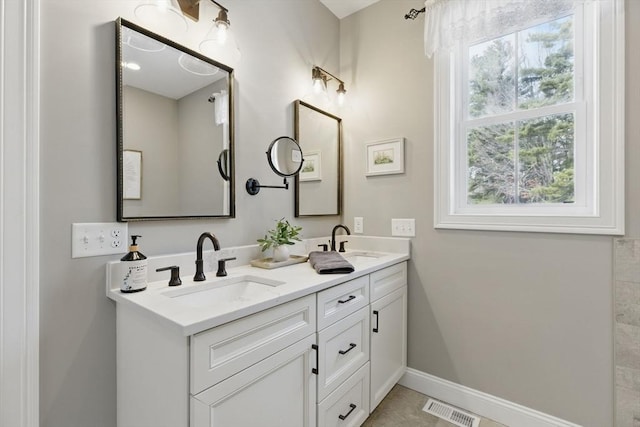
(362, 347)
(388, 329)
(258, 367)
(324, 359)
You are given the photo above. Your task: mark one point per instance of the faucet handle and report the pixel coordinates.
(324, 246)
(175, 275)
(222, 266)
(342, 245)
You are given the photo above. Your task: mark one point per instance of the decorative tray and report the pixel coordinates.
(269, 263)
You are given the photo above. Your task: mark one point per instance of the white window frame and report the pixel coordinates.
(599, 138)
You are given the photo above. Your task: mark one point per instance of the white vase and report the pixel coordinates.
(280, 253)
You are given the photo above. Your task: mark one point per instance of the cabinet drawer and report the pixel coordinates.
(220, 352)
(342, 349)
(340, 301)
(348, 405)
(388, 280)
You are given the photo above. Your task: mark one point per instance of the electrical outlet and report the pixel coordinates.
(358, 225)
(404, 227)
(98, 238)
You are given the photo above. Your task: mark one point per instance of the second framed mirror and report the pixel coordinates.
(319, 183)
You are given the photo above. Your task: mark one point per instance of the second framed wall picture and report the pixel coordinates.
(385, 157)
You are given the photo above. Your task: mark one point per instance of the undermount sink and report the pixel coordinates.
(234, 291)
(358, 256)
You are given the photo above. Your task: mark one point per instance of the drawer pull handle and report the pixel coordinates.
(351, 347)
(341, 301)
(375, 313)
(344, 417)
(315, 370)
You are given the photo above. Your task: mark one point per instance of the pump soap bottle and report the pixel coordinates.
(134, 271)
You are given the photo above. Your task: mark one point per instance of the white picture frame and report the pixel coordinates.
(384, 157)
(311, 166)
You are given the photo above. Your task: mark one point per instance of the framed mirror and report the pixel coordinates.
(319, 183)
(175, 130)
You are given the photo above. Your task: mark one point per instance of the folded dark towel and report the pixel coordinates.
(329, 263)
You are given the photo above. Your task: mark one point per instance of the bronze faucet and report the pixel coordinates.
(199, 276)
(333, 237)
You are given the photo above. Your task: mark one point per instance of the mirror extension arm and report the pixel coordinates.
(253, 186)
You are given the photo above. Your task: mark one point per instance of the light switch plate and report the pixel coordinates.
(98, 238)
(403, 227)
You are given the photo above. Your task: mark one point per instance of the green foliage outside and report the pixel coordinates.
(540, 169)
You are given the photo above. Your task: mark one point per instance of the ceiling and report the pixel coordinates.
(342, 8)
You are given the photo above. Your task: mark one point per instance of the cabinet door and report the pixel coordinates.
(388, 343)
(279, 391)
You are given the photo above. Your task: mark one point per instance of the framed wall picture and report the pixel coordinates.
(385, 157)
(132, 174)
(312, 166)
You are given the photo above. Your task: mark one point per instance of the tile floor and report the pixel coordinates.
(403, 408)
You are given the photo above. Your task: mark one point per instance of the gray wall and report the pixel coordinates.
(279, 40)
(526, 317)
(201, 141)
(154, 131)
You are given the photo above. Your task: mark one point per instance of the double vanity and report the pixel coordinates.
(259, 347)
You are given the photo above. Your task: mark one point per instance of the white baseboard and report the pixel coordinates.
(483, 404)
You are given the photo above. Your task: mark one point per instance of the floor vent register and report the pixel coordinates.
(451, 414)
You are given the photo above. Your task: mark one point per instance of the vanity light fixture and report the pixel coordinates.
(221, 26)
(161, 14)
(320, 78)
(220, 42)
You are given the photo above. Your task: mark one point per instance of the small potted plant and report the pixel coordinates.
(284, 234)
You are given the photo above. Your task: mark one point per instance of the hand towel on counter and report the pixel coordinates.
(329, 263)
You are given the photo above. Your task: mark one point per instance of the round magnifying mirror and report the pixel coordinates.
(285, 156)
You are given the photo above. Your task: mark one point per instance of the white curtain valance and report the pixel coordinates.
(450, 21)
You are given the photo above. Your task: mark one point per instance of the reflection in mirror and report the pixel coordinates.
(175, 108)
(319, 183)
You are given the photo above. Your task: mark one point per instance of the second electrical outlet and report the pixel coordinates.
(358, 224)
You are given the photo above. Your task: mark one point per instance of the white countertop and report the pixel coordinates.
(299, 280)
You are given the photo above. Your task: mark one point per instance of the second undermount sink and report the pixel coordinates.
(361, 256)
(232, 292)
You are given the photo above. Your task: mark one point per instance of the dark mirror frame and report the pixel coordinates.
(227, 173)
(297, 104)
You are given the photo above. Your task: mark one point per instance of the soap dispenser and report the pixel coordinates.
(134, 271)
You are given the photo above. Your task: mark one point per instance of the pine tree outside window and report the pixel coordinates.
(529, 129)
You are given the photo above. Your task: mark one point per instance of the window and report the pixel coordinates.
(530, 135)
